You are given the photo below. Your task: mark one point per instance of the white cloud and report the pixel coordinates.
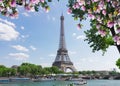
(33, 48)
(82, 37)
(74, 34)
(52, 55)
(20, 48)
(24, 36)
(22, 28)
(25, 14)
(7, 22)
(51, 18)
(7, 31)
(19, 56)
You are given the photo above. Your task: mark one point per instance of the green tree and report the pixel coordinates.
(28, 69)
(6, 72)
(56, 70)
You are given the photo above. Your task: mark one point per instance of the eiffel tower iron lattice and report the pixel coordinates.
(62, 60)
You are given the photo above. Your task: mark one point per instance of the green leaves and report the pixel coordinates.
(118, 63)
(96, 41)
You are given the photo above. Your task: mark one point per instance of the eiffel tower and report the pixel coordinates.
(62, 60)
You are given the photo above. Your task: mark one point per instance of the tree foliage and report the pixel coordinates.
(6, 72)
(96, 41)
(9, 8)
(28, 70)
(118, 63)
(105, 21)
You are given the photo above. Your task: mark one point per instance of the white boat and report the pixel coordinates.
(79, 83)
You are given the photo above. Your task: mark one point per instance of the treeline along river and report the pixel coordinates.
(66, 83)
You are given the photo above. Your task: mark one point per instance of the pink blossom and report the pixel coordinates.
(1, 1)
(91, 16)
(102, 33)
(69, 11)
(118, 42)
(1, 8)
(98, 9)
(28, 7)
(89, 11)
(42, 1)
(101, 5)
(83, 8)
(81, 2)
(104, 12)
(34, 1)
(79, 26)
(110, 24)
(76, 6)
(95, 0)
(118, 29)
(98, 26)
(117, 39)
(108, 0)
(12, 3)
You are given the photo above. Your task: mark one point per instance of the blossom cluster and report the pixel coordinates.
(106, 13)
(9, 8)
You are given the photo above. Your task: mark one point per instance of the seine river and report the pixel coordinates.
(66, 83)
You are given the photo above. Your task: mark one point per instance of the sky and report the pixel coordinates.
(34, 37)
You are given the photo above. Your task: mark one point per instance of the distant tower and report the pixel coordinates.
(62, 59)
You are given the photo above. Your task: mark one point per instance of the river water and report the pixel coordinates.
(66, 83)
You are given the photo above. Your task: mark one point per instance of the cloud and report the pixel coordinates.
(22, 28)
(19, 56)
(7, 22)
(7, 30)
(74, 34)
(20, 48)
(25, 14)
(51, 18)
(82, 37)
(33, 48)
(52, 55)
(24, 36)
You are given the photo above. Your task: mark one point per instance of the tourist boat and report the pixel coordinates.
(11, 80)
(19, 79)
(80, 82)
(43, 79)
(4, 81)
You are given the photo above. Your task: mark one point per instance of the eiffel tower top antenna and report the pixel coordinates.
(62, 44)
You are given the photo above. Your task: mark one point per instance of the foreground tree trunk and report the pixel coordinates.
(113, 34)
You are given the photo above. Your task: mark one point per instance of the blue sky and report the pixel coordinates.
(34, 38)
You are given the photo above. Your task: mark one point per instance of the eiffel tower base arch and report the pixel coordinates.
(64, 66)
